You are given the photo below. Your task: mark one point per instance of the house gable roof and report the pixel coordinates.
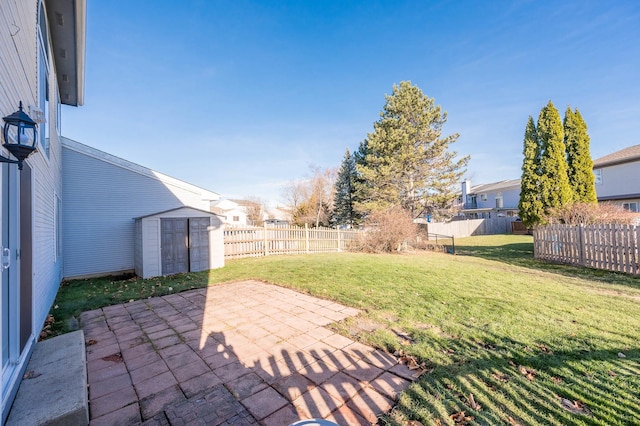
(136, 168)
(626, 155)
(503, 185)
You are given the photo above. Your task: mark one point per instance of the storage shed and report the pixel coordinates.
(183, 239)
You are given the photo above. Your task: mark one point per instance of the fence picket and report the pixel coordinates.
(602, 246)
(272, 240)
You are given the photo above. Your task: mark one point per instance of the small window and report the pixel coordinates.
(631, 207)
(597, 173)
(236, 218)
(483, 197)
(43, 80)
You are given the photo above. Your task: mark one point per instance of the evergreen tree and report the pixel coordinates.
(343, 210)
(405, 160)
(579, 162)
(554, 183)
(530, 205)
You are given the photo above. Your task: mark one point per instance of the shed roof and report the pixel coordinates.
(626, 155)
(175, 209)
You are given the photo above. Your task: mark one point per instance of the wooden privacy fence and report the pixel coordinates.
(611, 247)
(468, 227)
(252, 241)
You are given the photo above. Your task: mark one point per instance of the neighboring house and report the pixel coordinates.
(498, 199)
(251, 208)
(230, 212)
(617, 177)
(42, 50)
(103, 194)
(279, 216)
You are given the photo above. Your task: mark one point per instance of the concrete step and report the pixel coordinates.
(56, 391)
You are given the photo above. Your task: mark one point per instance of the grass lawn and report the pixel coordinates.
(506, 339)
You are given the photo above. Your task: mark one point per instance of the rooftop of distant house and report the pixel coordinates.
(626, 155)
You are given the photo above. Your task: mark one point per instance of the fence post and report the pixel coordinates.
(306, 236)
(339, 244)
(266, 241)
(581, 239)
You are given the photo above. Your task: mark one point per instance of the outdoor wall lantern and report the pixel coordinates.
(19, 133)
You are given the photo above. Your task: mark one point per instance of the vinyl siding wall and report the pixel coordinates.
(619, 179)
(19, 50)
(102, 196)
(510, 198)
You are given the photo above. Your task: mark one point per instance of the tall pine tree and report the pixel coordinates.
(343, 210)
(554, 183)
(579, 162)
(405, 161)
(530, 205)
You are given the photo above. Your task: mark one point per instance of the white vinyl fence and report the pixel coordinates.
(252, 241)
(611, 247)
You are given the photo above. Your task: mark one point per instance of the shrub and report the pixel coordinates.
(387, 231)
(591, 213)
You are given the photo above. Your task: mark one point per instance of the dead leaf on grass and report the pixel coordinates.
(501, 377)
(419, 368)
(414, 423)
(512, 421)
(471, 402)
(460, 418)
(556, 380)
(575, 407)
(529, 373)
(544, 349)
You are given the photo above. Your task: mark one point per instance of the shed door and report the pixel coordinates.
(199, 244)
(175, 251)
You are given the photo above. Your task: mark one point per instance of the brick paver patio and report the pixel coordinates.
(245, 353)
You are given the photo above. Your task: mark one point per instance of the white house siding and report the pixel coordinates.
(102, 196)
(619, 180)
(19, 50)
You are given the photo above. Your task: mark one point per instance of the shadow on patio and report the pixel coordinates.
(242, 353)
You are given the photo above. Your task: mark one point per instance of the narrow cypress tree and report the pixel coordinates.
(343, 211)
(530, 206)
(579, 162)
(554, 183)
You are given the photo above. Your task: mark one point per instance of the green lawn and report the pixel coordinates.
(519, 335)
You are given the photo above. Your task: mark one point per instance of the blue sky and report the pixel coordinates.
(241, 97)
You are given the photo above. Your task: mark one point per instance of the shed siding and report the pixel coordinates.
(151, 243)
(102, 198)
(149, 228)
